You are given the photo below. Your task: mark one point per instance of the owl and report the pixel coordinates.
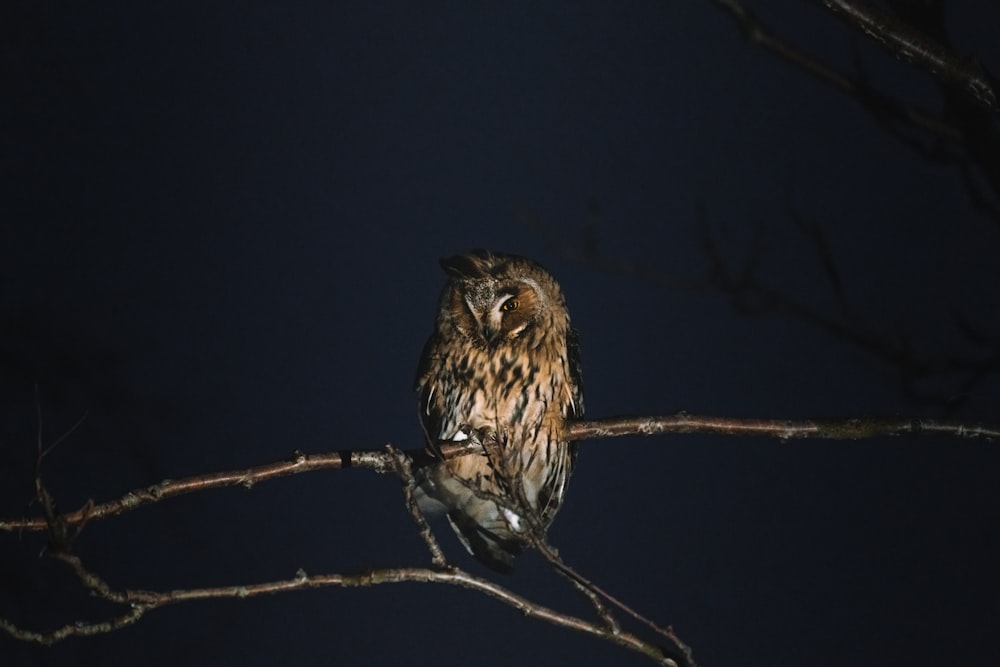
(501, 369)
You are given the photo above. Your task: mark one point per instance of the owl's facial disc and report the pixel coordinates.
(513, 310)
(495, 318)
(496, 310)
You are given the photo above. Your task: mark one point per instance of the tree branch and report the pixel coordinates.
(915, 47)
(384, 461)
(757, 33)
(827, 429)
(139, 602)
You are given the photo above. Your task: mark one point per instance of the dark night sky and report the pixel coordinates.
(220, 237)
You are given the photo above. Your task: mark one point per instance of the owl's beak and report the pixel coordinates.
(490, 334)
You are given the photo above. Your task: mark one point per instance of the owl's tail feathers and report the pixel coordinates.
(487, 546)
(483, 530)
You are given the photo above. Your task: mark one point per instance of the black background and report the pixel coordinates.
(221, 225)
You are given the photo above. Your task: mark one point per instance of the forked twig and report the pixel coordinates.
(595, 593)
(139, 602)
(404, 468)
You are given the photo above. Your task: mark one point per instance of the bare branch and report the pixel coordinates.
(903, 40)
(247, 477)
(830, 429)
(382, 461)
(595, 594)
(404, 468)
(757, 33)
(140, 602)
(962, 134)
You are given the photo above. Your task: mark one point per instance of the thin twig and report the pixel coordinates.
(962, 134)
(246, 477)
(142, 601)
(595, 593)
(404, 469)
(757, 33)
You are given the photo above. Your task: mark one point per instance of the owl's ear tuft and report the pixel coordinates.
(470, 265)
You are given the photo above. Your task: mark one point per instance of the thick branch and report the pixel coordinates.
(828, 429)
(382, 461)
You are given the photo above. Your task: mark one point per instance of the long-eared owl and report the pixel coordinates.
(501, 368)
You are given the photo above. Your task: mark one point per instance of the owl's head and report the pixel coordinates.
(493, 298)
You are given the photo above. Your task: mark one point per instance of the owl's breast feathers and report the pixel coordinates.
(516, 390)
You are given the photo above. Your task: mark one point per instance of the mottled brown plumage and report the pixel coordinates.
(502, 369)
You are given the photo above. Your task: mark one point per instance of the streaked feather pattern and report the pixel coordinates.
(502, 367)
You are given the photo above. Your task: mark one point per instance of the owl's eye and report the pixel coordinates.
(509, 305)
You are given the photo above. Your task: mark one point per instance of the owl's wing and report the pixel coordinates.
(430, 417)
(575, 372)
